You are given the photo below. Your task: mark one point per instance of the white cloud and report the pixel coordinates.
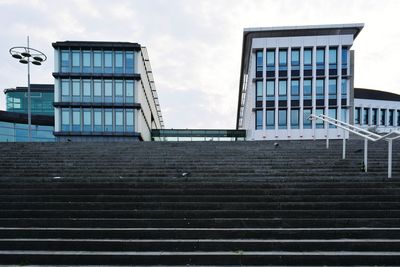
(195, 45)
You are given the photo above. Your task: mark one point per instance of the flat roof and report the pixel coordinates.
(363, 93)
(97, 45)
(42, 88)
(287, 31)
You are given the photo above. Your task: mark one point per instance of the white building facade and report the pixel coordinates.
(376, 110)
(289, 73)
(104, 91)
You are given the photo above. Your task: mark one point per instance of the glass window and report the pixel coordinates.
(270, 90)
(307, 89)
(295, 57)
(65, 63)
(108, 91)
(295, 89)
(98, 120)
(391, 117)
(119, 120)
(383, 117)
(282, 59)
(259, 63)
(306, 122)
(344, 57)
(97, 91)
(65, 120)
(294, 118)
(119, 96)
(76, 61)
(108, 120)
(333, 58)
(319, 123)
(374, 116)
(129, 62)
(320, 58)
(76, 120)
(87, 61)
(119, 62)
(282, 118)
(87, 91)
(282, 89)
(259, 91)
(129, 120)
(344, 88)
(76, 90)
(129, 92)
(97, 62)
(320, 88)
(332, 89)
(259, 119)
(87, 120)
(332, 114)
(398, 118)
(366, 116)
(308, 59)
(344, 115)
(108, 62)
(270, 60)
(357, 115)
(270, 119)
(65, 91)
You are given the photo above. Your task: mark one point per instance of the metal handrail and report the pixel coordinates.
(367, 135)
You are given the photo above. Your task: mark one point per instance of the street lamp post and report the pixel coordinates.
(27, 55)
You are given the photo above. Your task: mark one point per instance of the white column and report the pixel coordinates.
(289, 91)
(301, 92)
(264, 88)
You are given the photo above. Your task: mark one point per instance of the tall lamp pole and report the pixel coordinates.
(27, 55)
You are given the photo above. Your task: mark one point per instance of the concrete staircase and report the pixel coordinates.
(240, 204)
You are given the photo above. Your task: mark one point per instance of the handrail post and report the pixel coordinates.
(365, 155)
(390, 144)
(344, 145)
(327, 135)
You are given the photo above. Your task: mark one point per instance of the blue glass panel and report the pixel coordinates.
(129, 62)
(65, 61)
(332, 89)
(295, 89)
(270, 117)
(306, 122)
(295, 57)
(108, 62)
(97, 62)
(319, 123)
(76, 61)
(294, 118)
(320, 88)
(282, 118)
(332, 58)
(307, 89)
(259, 118)
(87, 61)
(119, 62)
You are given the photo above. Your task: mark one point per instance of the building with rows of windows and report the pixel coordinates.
(376, 110)
(289, 73)
(104, 91)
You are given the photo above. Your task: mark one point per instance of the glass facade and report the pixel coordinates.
(17, 132)
(96, 61)
(97, 120)
(320, 86)
(41, 102)
(102, 99)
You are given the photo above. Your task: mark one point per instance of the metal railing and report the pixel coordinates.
(367, 135)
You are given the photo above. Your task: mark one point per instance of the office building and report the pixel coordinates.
(376, 110)
(289, 73)
(42, 96)
(104, 91)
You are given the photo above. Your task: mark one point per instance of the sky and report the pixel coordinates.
(194, 45)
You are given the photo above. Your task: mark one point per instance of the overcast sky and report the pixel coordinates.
(195, 45)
